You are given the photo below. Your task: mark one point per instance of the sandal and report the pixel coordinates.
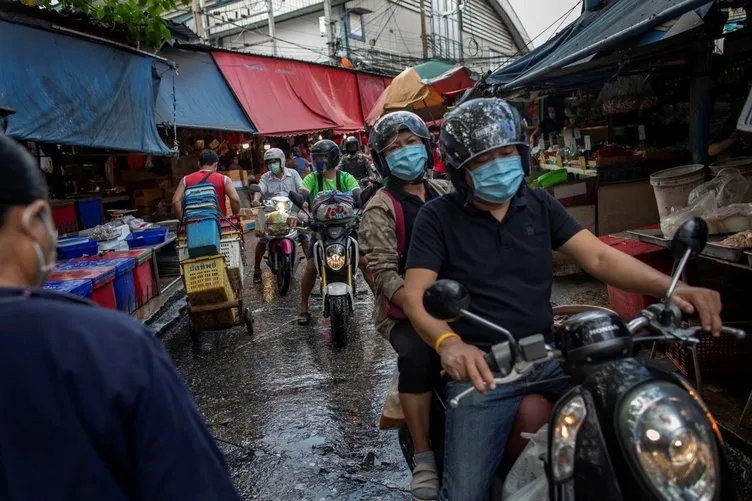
(304, 318)
(425, 483)
(257, 277)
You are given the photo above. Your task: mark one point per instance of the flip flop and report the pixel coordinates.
(304, 318)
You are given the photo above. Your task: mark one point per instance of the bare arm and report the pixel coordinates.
(716, 149)
(177, 200)
(232, 194)
(417, 280)
(627, 273)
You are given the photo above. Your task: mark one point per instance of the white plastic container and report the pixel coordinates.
(672, 186)
(230, 248)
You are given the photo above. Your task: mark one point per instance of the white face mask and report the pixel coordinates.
(45, 265)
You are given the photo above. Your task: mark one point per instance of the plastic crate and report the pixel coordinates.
(206, 280)
(125, 291)
(143, 275)
(203, 237)
(229, 224)
(103, 288)
(231, 248)
(145, 238)
(64, 215)
(69, 248)
(90, 212)
(81, 288)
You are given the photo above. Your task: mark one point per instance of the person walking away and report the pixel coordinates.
(208, 174)
(495, 235)
(93, 407)
(279, 181)
(326, 177)
(355, 162)
(401, 150)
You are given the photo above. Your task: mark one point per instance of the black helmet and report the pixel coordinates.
(328, 149)
(387, 127)
(478, 126)
(352, 144)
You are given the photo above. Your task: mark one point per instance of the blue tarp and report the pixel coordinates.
(71, 91)
(596, 31)
(203, 99)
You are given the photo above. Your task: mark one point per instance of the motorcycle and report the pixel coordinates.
(334, 220)
(627, 429)
(281, 254)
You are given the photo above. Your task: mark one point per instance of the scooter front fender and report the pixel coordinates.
(283, 245)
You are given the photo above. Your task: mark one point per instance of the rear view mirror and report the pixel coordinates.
(297, 199)
(446, 300)
(255, 188)
(692, 235)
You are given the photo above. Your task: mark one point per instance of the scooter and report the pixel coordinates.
(336, 255)
(627, 429)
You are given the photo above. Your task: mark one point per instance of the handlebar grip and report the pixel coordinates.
(737, 333)
(491, 361)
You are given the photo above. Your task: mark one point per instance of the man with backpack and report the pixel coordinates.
(402, 153)
(207, 173)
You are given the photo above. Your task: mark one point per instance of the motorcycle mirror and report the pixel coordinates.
(296, 198)
(255, 188)
(446, 300)
(692, 235)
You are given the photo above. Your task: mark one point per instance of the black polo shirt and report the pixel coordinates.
(507, 266)
(411, 204)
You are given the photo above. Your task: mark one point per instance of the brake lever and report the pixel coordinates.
(519, 370)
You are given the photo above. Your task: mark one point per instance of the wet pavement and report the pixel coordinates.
(298, 418)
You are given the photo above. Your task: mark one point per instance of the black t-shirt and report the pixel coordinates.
(507, 267)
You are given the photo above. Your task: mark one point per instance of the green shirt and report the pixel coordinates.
(311, 183)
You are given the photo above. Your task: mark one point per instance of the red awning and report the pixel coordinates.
(289, 97)
(371, 87)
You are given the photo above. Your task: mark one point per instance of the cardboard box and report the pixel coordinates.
(235, 175)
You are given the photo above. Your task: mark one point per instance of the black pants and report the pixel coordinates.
(419, 365)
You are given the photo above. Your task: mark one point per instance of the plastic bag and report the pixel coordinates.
(729, 187)
(392, 415)
(527, 478)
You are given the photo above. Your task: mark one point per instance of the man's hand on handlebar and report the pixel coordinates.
(255, 203)
(292, 222)
(705, 302)
(464, 362)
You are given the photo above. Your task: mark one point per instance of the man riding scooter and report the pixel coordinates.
(354, 162)
(401, 149)
(278, 181)
(495, 235)
(325, 177)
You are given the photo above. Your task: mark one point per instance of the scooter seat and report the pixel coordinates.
(534, 412)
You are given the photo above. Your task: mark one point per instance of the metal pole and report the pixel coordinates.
(270, 14)
(198, 19)
(331, 46)
(701, 105)
(423, 35)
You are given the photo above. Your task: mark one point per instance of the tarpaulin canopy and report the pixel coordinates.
(285, 98)
(593, 32)
(70, 91)
(370, 88)
(201, 99)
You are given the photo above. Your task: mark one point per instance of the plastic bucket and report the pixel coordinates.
(672, 186)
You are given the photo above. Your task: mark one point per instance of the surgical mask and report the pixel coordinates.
(408, 163)
(498, 180)
(321, 165)
(45, 264)
(275, 167)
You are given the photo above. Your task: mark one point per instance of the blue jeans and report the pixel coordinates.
(477, 431)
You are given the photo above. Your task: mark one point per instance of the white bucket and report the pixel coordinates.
(672, 186)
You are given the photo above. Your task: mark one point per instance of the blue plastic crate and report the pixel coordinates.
(82, 288)
(125, 288)
(90, 212)
(108, 272)
(69, 248)
(203, 237)
(145, 238)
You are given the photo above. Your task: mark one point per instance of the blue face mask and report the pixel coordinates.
(498, 180)
(321, 165)
(408, 163)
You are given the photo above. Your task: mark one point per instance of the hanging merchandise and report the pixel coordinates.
(627, 94)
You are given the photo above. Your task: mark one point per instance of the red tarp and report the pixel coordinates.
(290, 97)
(371, 87)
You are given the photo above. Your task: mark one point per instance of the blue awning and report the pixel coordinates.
(593, 32)
(202, 98)
(67, 90)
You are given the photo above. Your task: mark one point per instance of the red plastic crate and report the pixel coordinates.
(143, 275)
(104, 290)
(65, 217)
(628, 304)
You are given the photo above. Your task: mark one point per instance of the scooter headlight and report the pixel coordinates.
(564, 438)
(668, 437)
(336, 256)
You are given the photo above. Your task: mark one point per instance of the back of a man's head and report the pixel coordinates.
(23, 181)
(208, 158)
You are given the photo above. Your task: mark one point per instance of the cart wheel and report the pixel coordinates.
(248, 316)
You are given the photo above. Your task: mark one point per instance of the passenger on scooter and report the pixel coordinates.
(354, 162)
(325, 177)
(278, 181)
(93, 407)
(401, 150)
(495, 236)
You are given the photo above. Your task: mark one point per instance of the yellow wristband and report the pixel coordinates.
(442, 338)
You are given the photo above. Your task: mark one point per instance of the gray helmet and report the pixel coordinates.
(476, 127)
(387, 127)
(274, 154)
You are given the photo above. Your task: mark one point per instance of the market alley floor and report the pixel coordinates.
(296, 417)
